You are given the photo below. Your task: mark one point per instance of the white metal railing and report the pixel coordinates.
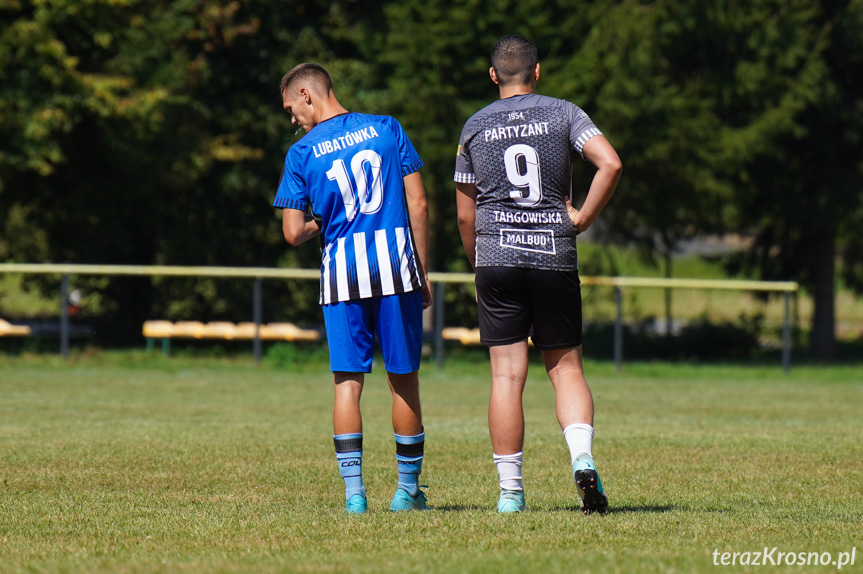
(786, 288)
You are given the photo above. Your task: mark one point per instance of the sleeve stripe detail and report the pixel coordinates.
(410, 168)
(285, 203)
(586, 135)
(465, 177)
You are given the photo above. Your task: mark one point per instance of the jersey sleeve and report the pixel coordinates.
(292, 188)
(463, 166)
(408, 156)
(581, 128)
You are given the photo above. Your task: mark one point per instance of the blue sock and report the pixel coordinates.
(409, 455)
(349, 453)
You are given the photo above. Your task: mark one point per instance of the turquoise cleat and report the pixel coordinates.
(356, 504)
(590, 491)
(511, 501)
(404, 501)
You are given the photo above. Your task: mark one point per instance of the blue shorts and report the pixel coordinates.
(397, 321)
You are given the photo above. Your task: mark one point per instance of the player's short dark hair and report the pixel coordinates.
(514, 60)
(306, 72)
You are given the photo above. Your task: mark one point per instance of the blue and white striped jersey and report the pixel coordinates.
(350, 169)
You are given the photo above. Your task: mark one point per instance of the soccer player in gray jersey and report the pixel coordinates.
(514, 182)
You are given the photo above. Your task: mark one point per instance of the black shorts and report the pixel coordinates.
(515, 303)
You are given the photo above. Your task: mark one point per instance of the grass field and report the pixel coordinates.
(122, 462)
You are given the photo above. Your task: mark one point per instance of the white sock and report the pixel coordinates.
(579, 439)
(509, 470)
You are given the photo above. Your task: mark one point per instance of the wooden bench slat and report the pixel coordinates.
(7, 329)
(227, 331)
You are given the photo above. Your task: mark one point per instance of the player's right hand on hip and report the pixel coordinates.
(427, 294)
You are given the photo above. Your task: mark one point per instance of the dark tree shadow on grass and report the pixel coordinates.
(653, 509)
(646, 509)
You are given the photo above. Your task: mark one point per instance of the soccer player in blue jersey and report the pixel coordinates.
(354, 179)
(514, 183)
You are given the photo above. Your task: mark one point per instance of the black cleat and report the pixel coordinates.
(590, 491)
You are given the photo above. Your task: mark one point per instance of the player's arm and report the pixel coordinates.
(418, 213)
(599, 152)
(465, 200)
(299, 226)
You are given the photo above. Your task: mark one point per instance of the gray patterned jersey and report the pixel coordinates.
(518, 152)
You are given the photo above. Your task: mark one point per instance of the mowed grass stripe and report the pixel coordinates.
(141, 465)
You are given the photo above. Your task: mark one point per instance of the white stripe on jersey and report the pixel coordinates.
(586, 135)
(382, 247)
(342, 271)
(403, 259)
(326, 296)
(464, 177)
(364, 279)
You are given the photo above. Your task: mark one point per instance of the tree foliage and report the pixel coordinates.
(151, 131)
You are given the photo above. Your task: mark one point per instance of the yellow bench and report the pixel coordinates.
(222, 330)
(463, 335)
(7, 329)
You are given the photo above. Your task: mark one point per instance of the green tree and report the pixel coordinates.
(735, 117)
(625, 70)
(794, 140)
(143, 132)
(151, 131)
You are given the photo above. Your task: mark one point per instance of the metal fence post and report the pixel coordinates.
(257, 312)
(786, 335)
(64, 317)
(438, 322)
(795, 316)
(618, 329)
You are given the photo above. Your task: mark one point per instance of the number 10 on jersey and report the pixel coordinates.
(365, 190)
